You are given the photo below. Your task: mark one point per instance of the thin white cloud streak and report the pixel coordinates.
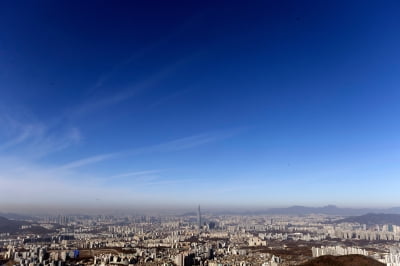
(188, 142)
(88, 160)
(170, 146)
(23, 131)
(96, 104)
(141, 53)
(134, 174)
(167, 182)
(51, 143)
(35, 139)
(15, 141)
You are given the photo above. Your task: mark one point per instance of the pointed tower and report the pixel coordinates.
(199, 218)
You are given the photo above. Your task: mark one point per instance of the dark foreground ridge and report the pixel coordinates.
(348, 260)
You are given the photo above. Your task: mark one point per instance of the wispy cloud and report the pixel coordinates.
(138, 173)
(88, 160)
(170, 146)
(167, 182)
(23, 131)
(132, 90)
(147, 50)
(100, 103)
(26, 133)
(140, 178)
(189, 142)
(26, 136)
(149, 178)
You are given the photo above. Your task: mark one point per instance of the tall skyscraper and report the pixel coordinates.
(199, 218)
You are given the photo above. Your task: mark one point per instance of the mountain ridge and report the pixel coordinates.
(346, 260)
(14, 226)
(304, 210)
(373, 219)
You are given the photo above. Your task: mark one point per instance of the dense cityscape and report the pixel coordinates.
(198, 238)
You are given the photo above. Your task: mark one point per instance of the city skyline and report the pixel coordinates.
(109, 105)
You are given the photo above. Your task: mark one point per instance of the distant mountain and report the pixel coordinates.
(373, 218)
(348, 260)
(328, 210)
(304, 210)
(15, 216)
(395, 210)
(10, 226)
(14, 226)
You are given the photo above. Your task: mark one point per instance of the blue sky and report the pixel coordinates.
(268, 103)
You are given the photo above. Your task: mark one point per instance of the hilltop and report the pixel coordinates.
(10, 226)
(14, 226)
(348, 260)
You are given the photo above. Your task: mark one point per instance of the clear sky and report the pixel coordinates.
(222, 103)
